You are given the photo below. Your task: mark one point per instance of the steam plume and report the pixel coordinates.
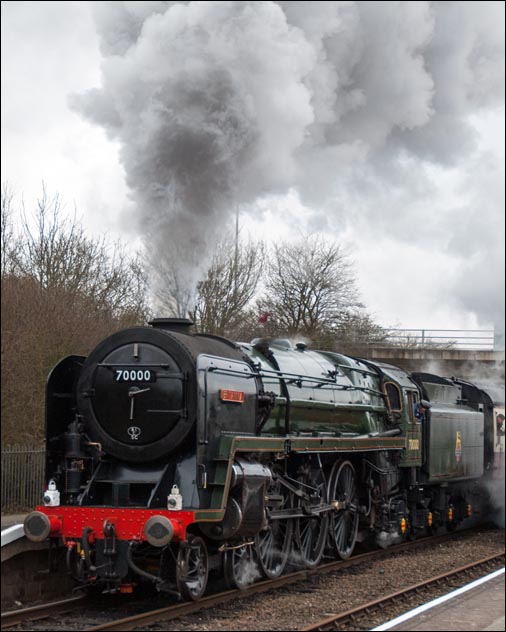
(219, 103)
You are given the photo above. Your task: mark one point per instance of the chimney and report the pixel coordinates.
(178, 325)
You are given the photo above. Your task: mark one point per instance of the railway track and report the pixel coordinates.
(41, 611)
(174, 611)
(396, 602)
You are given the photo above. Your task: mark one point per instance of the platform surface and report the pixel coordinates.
(481, 608)
(11, 519)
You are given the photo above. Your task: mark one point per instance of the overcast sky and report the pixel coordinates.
(378, 124)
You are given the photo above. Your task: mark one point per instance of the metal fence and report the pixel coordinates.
(23, 477)
(471, 339)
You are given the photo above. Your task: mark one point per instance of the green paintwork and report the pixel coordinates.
(335, 402)
(230, 445)
(328, 392)
(412, 456)
(456, 443)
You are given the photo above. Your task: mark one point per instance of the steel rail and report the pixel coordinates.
(8, 619)
(330, 623)
(42, 611)
(178, 610)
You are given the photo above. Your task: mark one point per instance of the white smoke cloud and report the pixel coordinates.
(348, 103)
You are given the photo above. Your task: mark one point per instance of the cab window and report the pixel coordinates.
(394, 399)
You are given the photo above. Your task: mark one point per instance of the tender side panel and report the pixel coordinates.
(456, 443)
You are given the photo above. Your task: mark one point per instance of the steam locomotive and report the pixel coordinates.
(171, 455)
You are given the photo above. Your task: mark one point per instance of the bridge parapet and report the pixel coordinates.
(430, 353)
(479, 339)
(468, 364)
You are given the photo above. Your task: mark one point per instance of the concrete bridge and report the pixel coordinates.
(472, 354)
(473, 365)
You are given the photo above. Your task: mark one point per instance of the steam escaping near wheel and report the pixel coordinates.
(248, 572)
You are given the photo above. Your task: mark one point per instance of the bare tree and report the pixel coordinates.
(310, 287)
(8, 242)
(58, 255)
(224, 295)
(62, 293)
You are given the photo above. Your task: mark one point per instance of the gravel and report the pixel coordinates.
(299, 605)
(302, 604)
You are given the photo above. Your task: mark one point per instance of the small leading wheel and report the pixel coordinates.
(344, 520)
(240, 568)
(75, 565)
(192, 569)
(273, 543)
(311, 529)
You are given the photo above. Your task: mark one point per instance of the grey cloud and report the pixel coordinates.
(219, 103)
